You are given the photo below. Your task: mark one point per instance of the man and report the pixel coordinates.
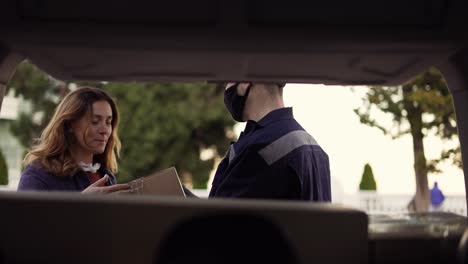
(274, 157)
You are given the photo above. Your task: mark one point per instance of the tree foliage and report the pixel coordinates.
(3, 170)
(367, 181)
(162, 124)
(170, 124)
(419, 107)
(42, 94)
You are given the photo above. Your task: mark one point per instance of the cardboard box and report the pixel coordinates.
(165, 182)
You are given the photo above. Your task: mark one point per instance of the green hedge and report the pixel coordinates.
(368, 182)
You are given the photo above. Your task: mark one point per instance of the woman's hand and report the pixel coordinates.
(99, 187)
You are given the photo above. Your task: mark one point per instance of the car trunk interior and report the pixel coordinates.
(333, 42)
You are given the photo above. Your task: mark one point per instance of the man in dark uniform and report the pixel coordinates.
(274, 157)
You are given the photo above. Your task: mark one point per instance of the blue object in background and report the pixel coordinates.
(437, 197)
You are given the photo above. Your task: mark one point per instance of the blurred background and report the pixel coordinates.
(369, 134)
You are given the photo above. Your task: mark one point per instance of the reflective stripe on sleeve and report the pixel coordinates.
(285, 144)
(232, 153)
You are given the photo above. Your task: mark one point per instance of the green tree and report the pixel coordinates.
(170, 124)
(367, 181)
(419, 107)
(43, 93)
(3, 170)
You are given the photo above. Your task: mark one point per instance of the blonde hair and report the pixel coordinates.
(52, 151)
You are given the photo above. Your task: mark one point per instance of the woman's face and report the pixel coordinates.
(93, 131)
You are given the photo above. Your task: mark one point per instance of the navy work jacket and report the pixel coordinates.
(274, 158)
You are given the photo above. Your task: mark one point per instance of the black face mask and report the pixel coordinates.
(234, 102)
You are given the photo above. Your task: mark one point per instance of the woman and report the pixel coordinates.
(77, 151)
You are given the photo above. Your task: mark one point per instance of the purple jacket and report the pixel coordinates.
(35, 178)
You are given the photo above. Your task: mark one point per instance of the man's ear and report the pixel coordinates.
(242, 88)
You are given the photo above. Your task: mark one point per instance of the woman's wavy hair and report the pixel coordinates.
(52, 150)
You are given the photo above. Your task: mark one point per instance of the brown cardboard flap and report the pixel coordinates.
(165, 182)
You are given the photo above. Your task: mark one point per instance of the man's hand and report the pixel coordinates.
(99, 187)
